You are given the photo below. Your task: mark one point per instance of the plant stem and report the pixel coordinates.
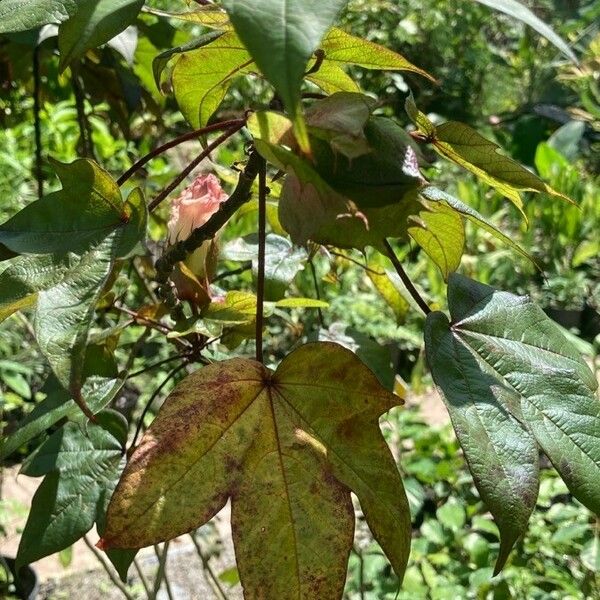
(262, 236)
(160, 364)
(142, 577)
(361, 572)
(109, 571)
(313, 270)
(412, 290)
(209, 574)
(37, 123)
(215, 144)
(84, 131)
(162, 569)
(151, 400)
(233, 272)
(186, 137)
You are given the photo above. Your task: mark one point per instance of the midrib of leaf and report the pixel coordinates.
(287, 492)
(539, 411)
(330, 447)
(455, 341)
(223, 80)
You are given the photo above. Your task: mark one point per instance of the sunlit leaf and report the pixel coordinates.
(522, 13)
(202, 77)
(287, 448)
(440, 231)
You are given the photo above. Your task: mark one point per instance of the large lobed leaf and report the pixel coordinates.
(287, 448)
(511, 381)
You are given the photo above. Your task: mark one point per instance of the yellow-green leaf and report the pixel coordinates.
(440, 231)
(286, 447)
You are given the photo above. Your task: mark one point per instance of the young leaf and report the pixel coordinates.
(341, 47)
(93, 24)
(503, 356)
(77, 217)
(287, 448)
(202, 77)
(22, 15)
(518, 11)
(63, 509)
(281, 36)
(465, 147)
(440, 231)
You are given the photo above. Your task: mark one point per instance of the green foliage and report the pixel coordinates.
(328, 187)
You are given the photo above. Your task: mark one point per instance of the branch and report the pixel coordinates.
(186, 137)
(37, 125)
(412, 290)
(215, 144)
(262, 234)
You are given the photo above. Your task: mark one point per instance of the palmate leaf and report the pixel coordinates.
(281, 36)
(287, 447)
(511, 382)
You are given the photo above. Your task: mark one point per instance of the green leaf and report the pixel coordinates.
(522, 13)
(281, 36)
(25, 276)
(388, 291)
(283, 261)
(94, 23)
(64, 312)
(77, 217)
(590, 554)
(287, 448)
(436, 195)
(507, 373)
(341, 47)
(331, 78)
(63, 509)
(22, 15)
(97, 392)
(501, 452)
(210, 16)
(301, 303)
(465, 147)
(202, 77)
(440, 231)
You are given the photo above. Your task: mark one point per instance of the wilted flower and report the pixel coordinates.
(192, 209)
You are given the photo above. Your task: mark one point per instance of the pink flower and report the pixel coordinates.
(192, 209)
(195, 206)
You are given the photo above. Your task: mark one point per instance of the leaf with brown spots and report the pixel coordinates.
(287, 448)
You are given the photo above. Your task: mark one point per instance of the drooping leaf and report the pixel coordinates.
(283, 261)
(22, 15)
(202, 77)
(281, 36)
(93, 24)
(500, 450)
(436, 195)
(97, 393)
(440, 231)
(503, 360)
(25, 276)
(287, 447)
(347, 49)
(77, 217)
(63, 509)
(518, 11)
(464, 146)
(388, 291)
